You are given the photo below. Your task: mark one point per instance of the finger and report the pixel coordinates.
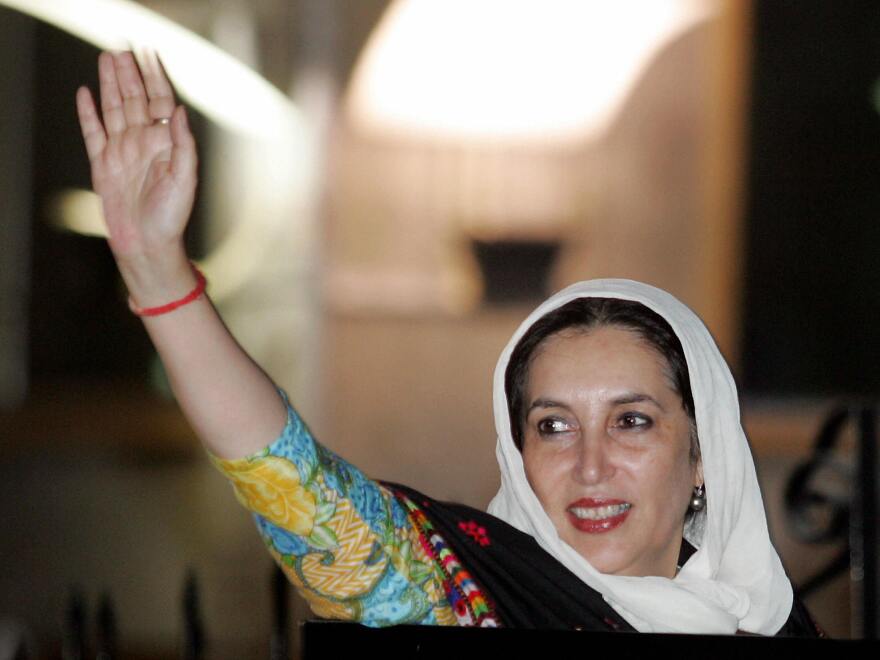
(159, 90)
(92, 129)
(134, 98)
(111, 100)
(183, 151)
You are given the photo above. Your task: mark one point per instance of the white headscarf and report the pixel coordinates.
(735, 580)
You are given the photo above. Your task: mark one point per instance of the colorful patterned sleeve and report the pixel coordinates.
(342, 539)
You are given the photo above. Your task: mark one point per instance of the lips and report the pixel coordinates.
(596, 516)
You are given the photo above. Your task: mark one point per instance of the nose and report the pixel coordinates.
(593, 463)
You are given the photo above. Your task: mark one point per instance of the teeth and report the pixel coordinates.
(599, 512)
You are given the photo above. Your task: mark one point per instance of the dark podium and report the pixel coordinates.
(329, 639)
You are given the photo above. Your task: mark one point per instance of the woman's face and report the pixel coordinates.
(607, 449)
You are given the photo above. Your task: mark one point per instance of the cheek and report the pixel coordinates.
(664, 478)
(674, 456)
(680, 483)
(540, 469)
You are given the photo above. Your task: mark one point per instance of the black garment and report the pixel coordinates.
(528, 587)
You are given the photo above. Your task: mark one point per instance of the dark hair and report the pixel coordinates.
(585, 314)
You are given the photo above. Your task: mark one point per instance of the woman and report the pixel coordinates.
(601, 444)
(734, 581)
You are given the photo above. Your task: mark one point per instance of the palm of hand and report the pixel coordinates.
(145, 208)
(142, 168)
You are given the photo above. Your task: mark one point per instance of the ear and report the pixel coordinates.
(698, 473)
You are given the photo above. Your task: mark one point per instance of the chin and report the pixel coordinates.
(606, 560)
(608, 568)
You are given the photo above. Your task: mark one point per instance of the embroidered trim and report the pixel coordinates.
(475, 531)
(471, 606)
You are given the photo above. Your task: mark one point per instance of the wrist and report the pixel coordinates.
(170, 306)
(153, 281)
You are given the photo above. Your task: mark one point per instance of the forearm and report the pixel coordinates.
(231, 403)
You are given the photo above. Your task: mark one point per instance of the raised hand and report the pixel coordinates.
(144, 169)
(143, 163)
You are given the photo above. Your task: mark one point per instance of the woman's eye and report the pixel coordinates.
(553, 426)
(635, 421)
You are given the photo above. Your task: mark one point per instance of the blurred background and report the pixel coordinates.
(387, 189)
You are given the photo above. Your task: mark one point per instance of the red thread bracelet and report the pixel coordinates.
(201, 284)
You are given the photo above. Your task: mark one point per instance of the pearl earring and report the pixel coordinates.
(698, 499)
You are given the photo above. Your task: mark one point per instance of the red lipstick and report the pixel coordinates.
(599, 521)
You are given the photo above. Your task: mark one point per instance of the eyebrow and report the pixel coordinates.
(544, 403)
(636, 397)
(622, 400)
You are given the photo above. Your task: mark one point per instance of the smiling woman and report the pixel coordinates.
(612, 404)
(586, 530)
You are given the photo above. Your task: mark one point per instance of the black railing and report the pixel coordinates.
(832, 497)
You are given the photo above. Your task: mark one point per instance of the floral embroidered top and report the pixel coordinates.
(355, 550)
